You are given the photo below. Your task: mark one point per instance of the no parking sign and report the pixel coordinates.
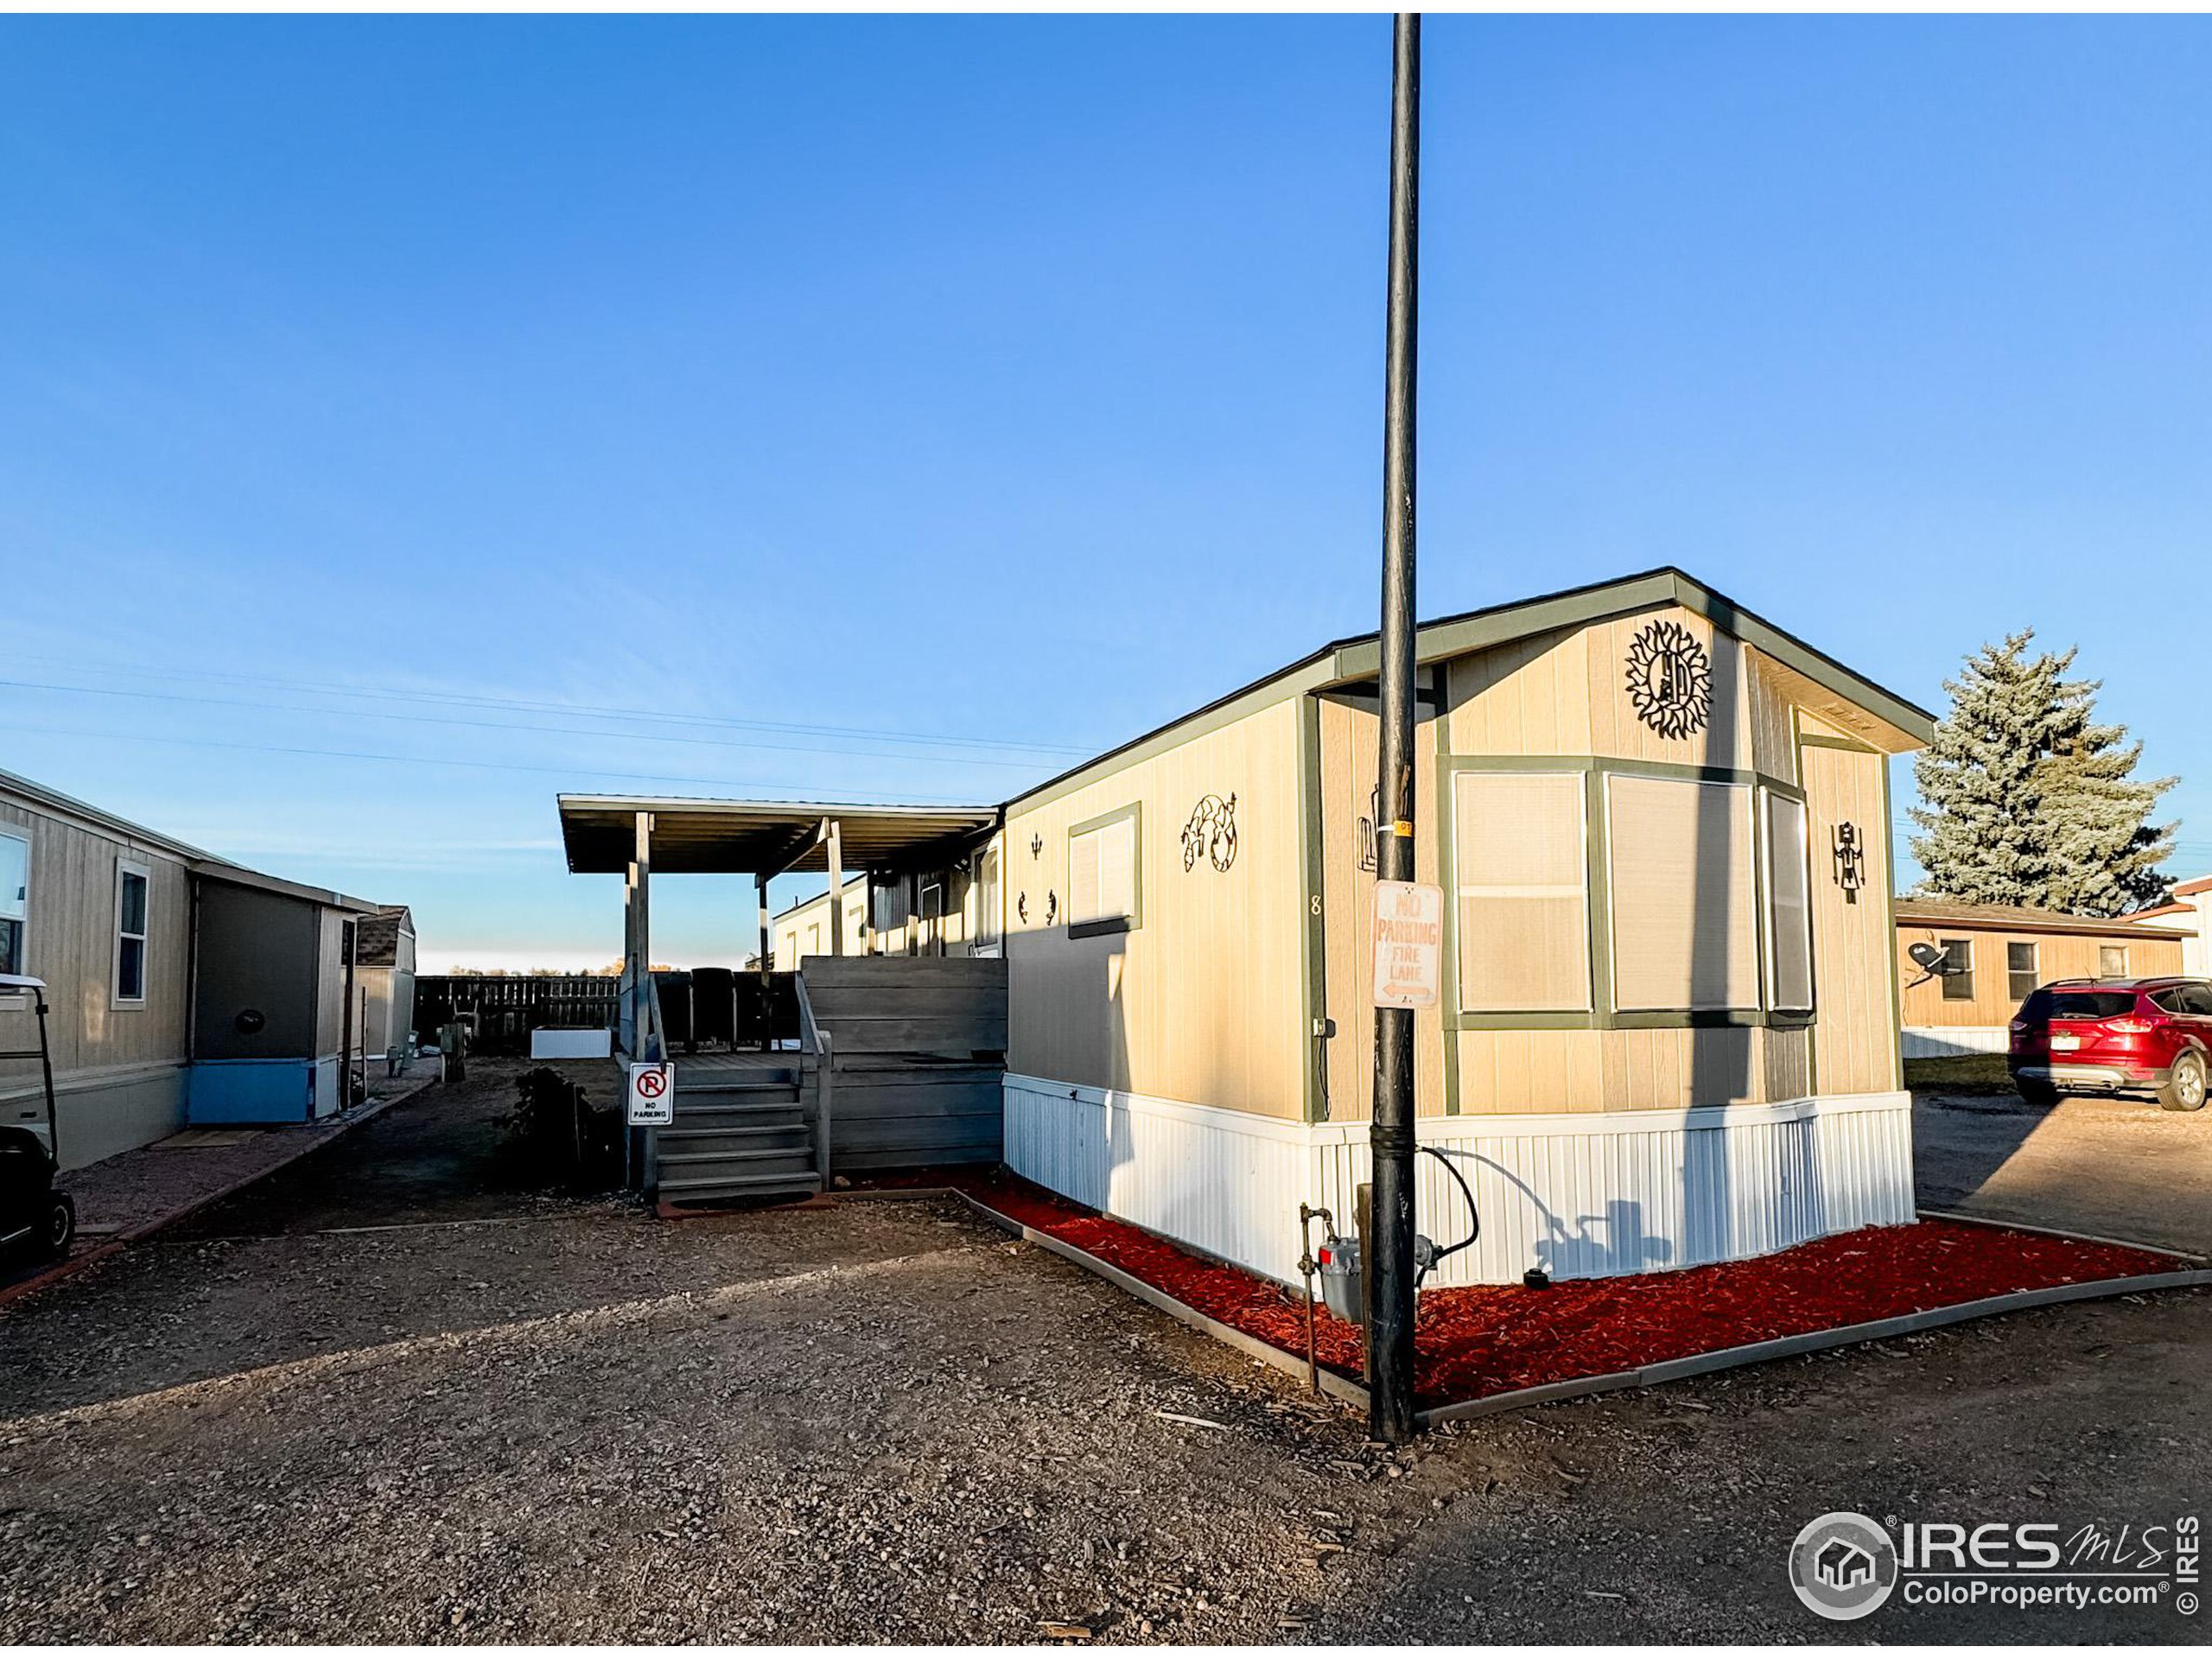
(653, 1095)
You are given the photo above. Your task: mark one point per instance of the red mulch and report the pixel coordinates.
(1487, 1340)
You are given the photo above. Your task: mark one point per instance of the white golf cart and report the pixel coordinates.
(34, 1219)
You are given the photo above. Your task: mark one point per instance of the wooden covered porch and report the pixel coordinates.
(893, 1061)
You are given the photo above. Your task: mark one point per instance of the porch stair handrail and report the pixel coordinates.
(817, 1075)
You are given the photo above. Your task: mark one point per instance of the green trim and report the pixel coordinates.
(1571, 1020)
(1448, 768)
(1601, 1016)
(1890, 941)
(1313, 935)
(1447, 856)
(1356, 659)
(1134, 919)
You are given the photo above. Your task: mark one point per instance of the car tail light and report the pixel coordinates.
(2131, 1026)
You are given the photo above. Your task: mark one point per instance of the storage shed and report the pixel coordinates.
(275, 1020)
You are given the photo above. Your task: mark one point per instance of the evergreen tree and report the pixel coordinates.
(2028, 799)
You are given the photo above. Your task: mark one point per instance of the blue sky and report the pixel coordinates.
(384, 396)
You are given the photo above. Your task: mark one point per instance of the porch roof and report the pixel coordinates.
(695, 837)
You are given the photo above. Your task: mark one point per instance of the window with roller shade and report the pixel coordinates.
(1789, 906)
(1520, 868)
(1685, 925)
(1103, 875)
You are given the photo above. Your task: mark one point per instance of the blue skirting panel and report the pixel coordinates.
(250, 1091)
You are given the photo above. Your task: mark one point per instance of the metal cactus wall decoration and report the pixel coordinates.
(1212, 833)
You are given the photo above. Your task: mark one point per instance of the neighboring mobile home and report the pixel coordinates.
(2191, 911)
(126, 926)
(1668, 1031)
(1999, 954)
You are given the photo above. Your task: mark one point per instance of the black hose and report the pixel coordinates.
(1474, 1216)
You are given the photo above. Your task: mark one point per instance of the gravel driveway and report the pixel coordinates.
(2093, 1164)
(548, 1420)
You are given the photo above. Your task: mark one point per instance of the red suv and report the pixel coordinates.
(2113, 1035)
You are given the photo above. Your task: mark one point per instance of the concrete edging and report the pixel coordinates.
(1812, 1342)
(2061, 1232)
(1652, 1376)
(128, 1236)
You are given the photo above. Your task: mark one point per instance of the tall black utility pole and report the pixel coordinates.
(1390, 1312)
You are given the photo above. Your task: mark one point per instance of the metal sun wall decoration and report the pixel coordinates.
(1669, 679)
(1212, 833)
(1850, 861)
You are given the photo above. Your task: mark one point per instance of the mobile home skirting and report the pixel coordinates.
(1943, 1042)
(1580, 1195)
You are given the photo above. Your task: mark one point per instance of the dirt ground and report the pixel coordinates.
(487, 1417)
(2092, 1164)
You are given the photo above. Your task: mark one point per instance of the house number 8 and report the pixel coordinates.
(1314, 906)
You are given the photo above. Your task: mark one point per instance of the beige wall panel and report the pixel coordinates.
(2058, 955)
(71, 945)
(330, 1026)
(1529, 697)
(1855, 1040)
(1616, 731)
(1773, 720)
(1204, 1003)
(1348, 759)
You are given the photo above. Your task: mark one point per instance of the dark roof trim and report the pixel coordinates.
(1356, 659)
(2023, 918)
(205, 865)
(238, 876)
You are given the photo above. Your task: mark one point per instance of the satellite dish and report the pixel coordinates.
(1932, 959)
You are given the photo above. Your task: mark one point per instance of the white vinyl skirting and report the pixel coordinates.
(1579, 1195)
(1941, 1042)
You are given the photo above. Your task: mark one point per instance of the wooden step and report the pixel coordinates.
(692, 1189)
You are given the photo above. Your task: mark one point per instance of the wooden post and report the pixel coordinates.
(768, 968)
(837, 888)
(643, 867)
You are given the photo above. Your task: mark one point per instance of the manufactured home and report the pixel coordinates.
(1992, 955)
(157, 957)
(2191, 911)
(1668, 1032)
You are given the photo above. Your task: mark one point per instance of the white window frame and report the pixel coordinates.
(1129, 921)
(989, 924)
(1768, 797)
(2035, 967)
(2124, 966)
(22, 838)
(125, 868)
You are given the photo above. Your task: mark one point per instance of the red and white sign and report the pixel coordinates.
(1408, 945)
(653, 1095)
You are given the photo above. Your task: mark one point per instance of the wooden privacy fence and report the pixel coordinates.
(917, 1059)
(509, 1007)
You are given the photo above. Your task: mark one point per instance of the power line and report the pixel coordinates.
(468, 765)
(504, 725)
(542, 706)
